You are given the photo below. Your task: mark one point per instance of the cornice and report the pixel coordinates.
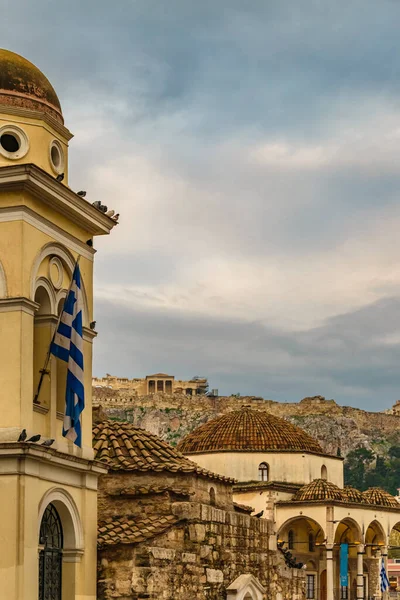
(30, 178)
(39, 115)
(26, 214)
(18, 304)
(25, 450)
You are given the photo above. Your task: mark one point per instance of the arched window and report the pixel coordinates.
(50, 555)
(311, 542)
(212, 496)
(291, 539)
(263, 472)
(324, 472)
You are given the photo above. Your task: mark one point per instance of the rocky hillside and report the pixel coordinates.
(339, 429)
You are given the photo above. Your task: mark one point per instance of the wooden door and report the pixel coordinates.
(322, 586)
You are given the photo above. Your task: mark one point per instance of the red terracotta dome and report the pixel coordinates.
(354, 495)
(248, 430)
(376, 495)
(319, 489)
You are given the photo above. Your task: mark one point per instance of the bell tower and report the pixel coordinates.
(44, 227)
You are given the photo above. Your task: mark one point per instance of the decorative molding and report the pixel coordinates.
(88, 334)
(60, 415)
(30, 178)
(39, 408)
(55, 261)
(18, 304)
(69, 260)
(37, 114)
(69, 514)
(26, 214)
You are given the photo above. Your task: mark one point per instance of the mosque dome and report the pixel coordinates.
(376, 495)
(248, 430)
(353, 495)
(23, 85)
(319, 489)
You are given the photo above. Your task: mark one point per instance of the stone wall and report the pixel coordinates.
(198, 559)
(336, 427)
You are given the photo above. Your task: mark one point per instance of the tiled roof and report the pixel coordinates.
(353, 495)
(376, 495)
(147, 490)
(248, 430)
(123, 447)
(319, 489)
(243, 508)
(132, 530)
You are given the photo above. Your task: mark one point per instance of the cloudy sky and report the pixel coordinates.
(253, 151)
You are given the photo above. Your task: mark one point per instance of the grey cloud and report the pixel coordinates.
(251, 358)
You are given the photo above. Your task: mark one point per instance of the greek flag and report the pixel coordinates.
(384, 578)
(68, 346)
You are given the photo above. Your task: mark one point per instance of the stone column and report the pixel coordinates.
(360, 572)
(329, 572)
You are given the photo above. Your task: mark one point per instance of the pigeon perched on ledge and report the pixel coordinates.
(34, 438)
(22, 436)
(47, 442)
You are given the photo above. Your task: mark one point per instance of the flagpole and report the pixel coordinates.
(44, 371)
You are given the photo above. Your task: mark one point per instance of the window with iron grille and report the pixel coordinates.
(310, 587)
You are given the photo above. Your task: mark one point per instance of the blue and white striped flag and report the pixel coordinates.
(68, 346)
(384, 578)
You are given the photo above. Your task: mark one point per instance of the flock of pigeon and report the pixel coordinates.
(34, 439)
(290, 560)
(101, 207)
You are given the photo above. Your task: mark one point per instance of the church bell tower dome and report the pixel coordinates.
(23, 85)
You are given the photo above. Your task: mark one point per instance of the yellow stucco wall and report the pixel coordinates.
(283, 466)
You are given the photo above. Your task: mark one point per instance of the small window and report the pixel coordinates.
(324, 472)
(311, 542)
(189, 392)
(344, 592)
(212, 496)
(56, 157)
(13, 142)
(291, 539)
(263, 472)
(310, 587)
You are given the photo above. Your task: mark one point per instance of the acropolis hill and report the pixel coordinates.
(173, 415)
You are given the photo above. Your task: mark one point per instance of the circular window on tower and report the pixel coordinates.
(56, 157)
(13, 142)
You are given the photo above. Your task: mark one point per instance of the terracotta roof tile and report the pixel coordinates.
(319, 489)
(147, 490)
(353, 495)
(248, 430)
(376, 495)
(132, 530)
(123, 447)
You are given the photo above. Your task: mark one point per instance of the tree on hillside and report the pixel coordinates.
(356, 466)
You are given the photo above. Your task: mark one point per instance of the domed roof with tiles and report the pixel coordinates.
(376, 495)
(353, 495)
(248, 430)
(23, 85)
(123, 447)
(319, 489)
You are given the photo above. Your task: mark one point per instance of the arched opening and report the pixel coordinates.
(263, 472)
(348, 537)
(160, 385)
(311, 542)
(291, 539)
(50, 554)
(212, 496)
(42, 334)
(62, 505)
(324, 472)
(152, 386)
(62, 369)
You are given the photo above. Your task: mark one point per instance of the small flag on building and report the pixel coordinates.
(68, 346)
(384, 578)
